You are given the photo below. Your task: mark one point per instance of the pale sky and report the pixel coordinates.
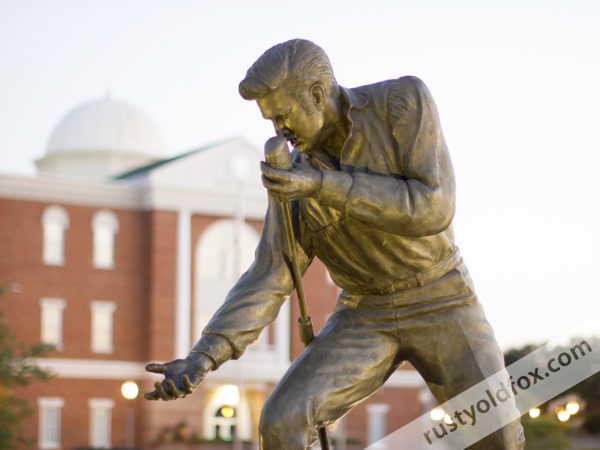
(516, 84)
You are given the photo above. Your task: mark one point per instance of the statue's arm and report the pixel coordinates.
(251, 305)
(255, 300)
(421, 200)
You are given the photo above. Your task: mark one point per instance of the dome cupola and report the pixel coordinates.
(101, 138)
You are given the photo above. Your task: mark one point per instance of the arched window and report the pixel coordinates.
(221, 257)
(227, 413)
(55, 221)
(105, 225)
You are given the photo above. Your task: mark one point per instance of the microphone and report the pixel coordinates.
(277, 154)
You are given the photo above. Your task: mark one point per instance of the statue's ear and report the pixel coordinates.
(317, 94)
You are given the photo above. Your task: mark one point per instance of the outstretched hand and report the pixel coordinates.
(287, 185)
(182, 376)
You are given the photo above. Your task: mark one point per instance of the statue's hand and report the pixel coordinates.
(182, 376)
(286, 185)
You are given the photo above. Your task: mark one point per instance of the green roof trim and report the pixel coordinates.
(150, 167)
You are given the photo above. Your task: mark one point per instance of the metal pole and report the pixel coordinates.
(130, 429)
(278, 157)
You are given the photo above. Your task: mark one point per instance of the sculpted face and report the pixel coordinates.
(291, 120)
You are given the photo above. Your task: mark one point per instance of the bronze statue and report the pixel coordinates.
(372, 195)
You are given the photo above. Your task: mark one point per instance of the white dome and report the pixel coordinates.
(107, 125)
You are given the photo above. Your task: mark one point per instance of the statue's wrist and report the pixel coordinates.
(201, 359)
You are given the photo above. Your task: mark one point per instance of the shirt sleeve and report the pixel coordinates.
(255, 300)
(420, 201)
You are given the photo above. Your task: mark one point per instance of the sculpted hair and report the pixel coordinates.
(297, 62)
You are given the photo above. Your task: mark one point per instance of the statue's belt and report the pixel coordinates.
(414, 281)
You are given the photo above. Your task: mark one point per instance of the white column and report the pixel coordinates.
(282, 333)
(376, 422)
(183, 284)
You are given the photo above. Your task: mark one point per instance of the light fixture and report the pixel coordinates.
(227, 412)
(572, 408)
(129, 390)
(534, 413)
(437, 414)
(562, 414)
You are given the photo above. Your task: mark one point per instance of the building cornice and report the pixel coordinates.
(249, 371)
(212, 202)
(71, 192)
(142, 197)
(254, 371)
(93, 368)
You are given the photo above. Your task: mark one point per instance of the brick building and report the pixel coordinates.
(118, 255)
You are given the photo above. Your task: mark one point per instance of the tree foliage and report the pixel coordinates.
(16, 369)
(588, 390)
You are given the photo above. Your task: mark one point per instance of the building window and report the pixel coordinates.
(49, 425)
(52, 321)
(221, 257)
(105, 225)
(102, 326)
(100, 422)
(55, 221)
(377, 421)
(227, 414)
(223, 253)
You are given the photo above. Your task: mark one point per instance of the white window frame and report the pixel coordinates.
(45, 404)
(216, 255)
(102, 308)
(100, 409)
(104, 223)
(49, 307)
(53, 251)
(242, 421)
(377, 422)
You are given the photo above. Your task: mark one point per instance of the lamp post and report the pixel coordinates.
(240, 169)
(129, 390)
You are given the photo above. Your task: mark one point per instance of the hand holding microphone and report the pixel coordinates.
(284, 180)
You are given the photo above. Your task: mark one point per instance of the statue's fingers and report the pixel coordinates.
(156, 368)
(273, 174)
(173, 389)
(272, 186)
(151, 395)
(160, 390)
(187, 384)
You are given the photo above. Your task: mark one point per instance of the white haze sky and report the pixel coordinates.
(516, 83)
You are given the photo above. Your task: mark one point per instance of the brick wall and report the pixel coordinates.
(163, 246)
(77, 282)
(75, 414)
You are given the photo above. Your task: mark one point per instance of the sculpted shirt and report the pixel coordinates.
(381, 222)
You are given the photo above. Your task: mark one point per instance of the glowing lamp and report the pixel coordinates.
(437, 414)
(227, 412)
(572, 408)
(563, 415)
(129, 390)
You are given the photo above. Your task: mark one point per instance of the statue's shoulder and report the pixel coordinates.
(406, 86)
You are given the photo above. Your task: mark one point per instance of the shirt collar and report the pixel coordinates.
(353, 99)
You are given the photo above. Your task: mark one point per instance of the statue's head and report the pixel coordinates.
(292, 82)
(295, 65)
